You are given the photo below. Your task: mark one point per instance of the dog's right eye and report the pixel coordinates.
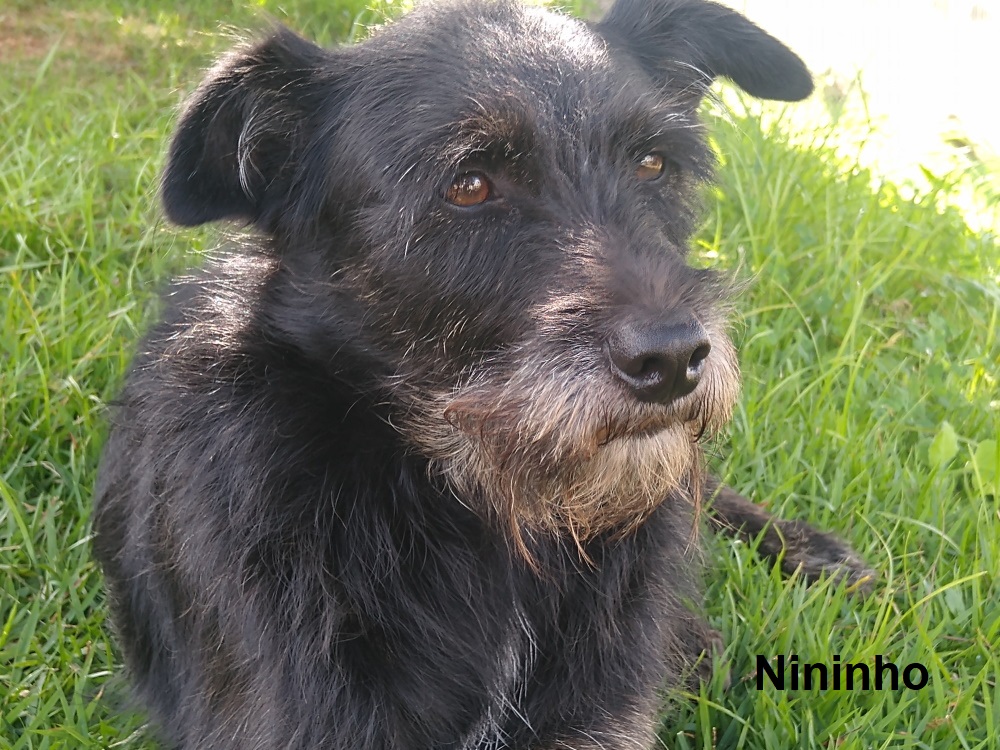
(469, 189)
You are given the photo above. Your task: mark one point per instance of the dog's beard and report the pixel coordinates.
(558, 447)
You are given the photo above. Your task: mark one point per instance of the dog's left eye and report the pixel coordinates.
(469, 189)
(650, 167)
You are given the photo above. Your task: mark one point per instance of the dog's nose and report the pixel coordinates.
(662, 361)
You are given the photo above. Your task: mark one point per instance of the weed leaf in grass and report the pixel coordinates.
(986, 465)
(944, 446)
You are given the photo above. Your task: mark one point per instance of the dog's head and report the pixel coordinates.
(488, 206)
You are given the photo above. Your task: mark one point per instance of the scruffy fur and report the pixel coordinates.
(375, 480)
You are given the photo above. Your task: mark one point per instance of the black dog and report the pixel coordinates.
(420, 468)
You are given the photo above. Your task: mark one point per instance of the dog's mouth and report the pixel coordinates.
(644, 429)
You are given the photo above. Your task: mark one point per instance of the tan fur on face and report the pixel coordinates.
(560, 446)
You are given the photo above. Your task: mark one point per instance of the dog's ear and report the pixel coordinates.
(234, 152)
(691, 42)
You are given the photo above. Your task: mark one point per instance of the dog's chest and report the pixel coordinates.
(505, 703)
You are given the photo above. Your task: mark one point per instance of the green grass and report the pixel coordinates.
(869, 339)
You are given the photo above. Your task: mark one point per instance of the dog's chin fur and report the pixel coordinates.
(549, 451)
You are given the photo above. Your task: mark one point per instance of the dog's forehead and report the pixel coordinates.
(562, 40)
(504, 35)
(487, 80)
(482, 55)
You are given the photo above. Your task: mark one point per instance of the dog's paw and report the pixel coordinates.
(799, 547)
(814, 554)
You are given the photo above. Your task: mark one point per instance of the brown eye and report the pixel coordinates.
(469, 189)
(650, 167)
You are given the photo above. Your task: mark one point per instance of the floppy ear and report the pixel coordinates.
(234, 152)
(691, 42)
